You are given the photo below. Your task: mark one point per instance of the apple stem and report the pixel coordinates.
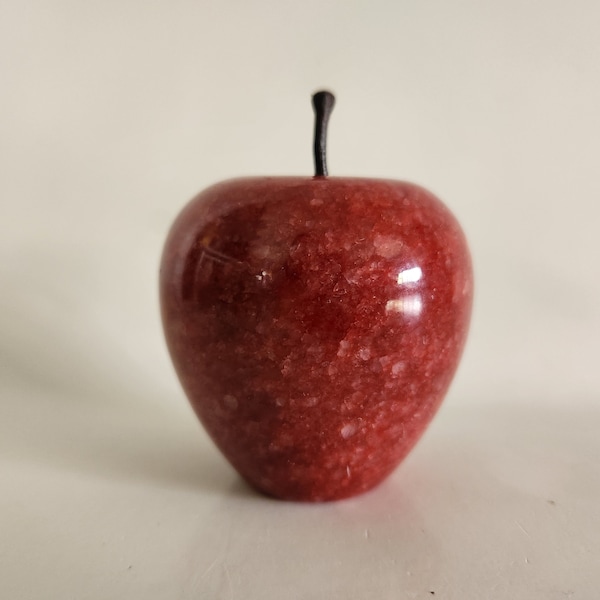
(323, 103)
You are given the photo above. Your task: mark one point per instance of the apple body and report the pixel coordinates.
(315, 324)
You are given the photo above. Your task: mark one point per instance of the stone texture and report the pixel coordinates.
(315, 325)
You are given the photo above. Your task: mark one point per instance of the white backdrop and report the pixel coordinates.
(113, 114)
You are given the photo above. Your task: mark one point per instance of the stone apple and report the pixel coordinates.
(315, 323)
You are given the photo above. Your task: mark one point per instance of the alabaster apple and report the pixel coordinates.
(315, 323)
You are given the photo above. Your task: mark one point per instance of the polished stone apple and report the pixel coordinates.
(315, 324)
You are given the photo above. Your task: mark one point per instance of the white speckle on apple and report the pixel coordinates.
(348, 430)
(387, 246)
(364, 353)
(264, 276)
(397, 368)
(343, 348)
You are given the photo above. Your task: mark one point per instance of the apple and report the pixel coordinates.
(315, 323)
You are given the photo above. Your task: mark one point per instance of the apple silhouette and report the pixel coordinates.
(315, 323)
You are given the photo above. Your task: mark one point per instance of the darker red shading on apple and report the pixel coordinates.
(315, 325)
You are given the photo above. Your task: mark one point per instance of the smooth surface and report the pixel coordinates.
(114, 114)
(315, 325)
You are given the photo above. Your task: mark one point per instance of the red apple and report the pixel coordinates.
(315, 323)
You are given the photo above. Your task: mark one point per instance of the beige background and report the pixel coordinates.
(113, 114)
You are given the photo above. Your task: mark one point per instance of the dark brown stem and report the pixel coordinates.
(323, 103)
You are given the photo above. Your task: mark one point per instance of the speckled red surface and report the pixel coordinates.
(315, 325)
